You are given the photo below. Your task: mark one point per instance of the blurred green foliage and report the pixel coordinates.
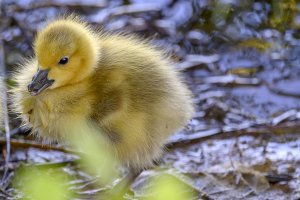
(98, 160)
(166, 186)
(97, 155)
(282, 13)
(42, 184)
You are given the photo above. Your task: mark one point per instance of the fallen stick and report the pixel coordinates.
(253, 129)
(21, 143)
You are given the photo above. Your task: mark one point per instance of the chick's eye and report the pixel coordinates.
(63, 61)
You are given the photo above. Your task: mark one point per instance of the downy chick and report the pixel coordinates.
(121, 84)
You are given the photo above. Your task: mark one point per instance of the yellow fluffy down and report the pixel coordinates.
(120, 84)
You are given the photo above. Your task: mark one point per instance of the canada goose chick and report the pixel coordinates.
(121, 84)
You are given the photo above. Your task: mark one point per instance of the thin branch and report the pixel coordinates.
(19, 131)
(28, 143)
(5, 110)
(252, 129)
(281, 92)
(58, 4)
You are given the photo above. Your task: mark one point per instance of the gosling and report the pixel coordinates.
(119, 83)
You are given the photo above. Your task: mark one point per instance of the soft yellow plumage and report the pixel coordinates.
(119, 83)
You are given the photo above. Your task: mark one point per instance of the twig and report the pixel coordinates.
(18, 131)
(5, 111)
(277, 91)
(275, 178)
(284, 116)
(52, 165)
(106, 14)
(231, 80)
(28, 143)
(58, 4)
(253, 129)
(135, 9)
(193, 60)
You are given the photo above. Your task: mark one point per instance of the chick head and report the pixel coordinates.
(66, 53)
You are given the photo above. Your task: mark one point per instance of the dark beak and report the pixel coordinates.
(39, 82)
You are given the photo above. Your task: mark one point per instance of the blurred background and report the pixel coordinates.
(239, 57)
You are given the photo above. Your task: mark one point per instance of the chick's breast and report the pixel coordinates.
(48, 113)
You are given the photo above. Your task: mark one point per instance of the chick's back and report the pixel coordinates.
(144, 96)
